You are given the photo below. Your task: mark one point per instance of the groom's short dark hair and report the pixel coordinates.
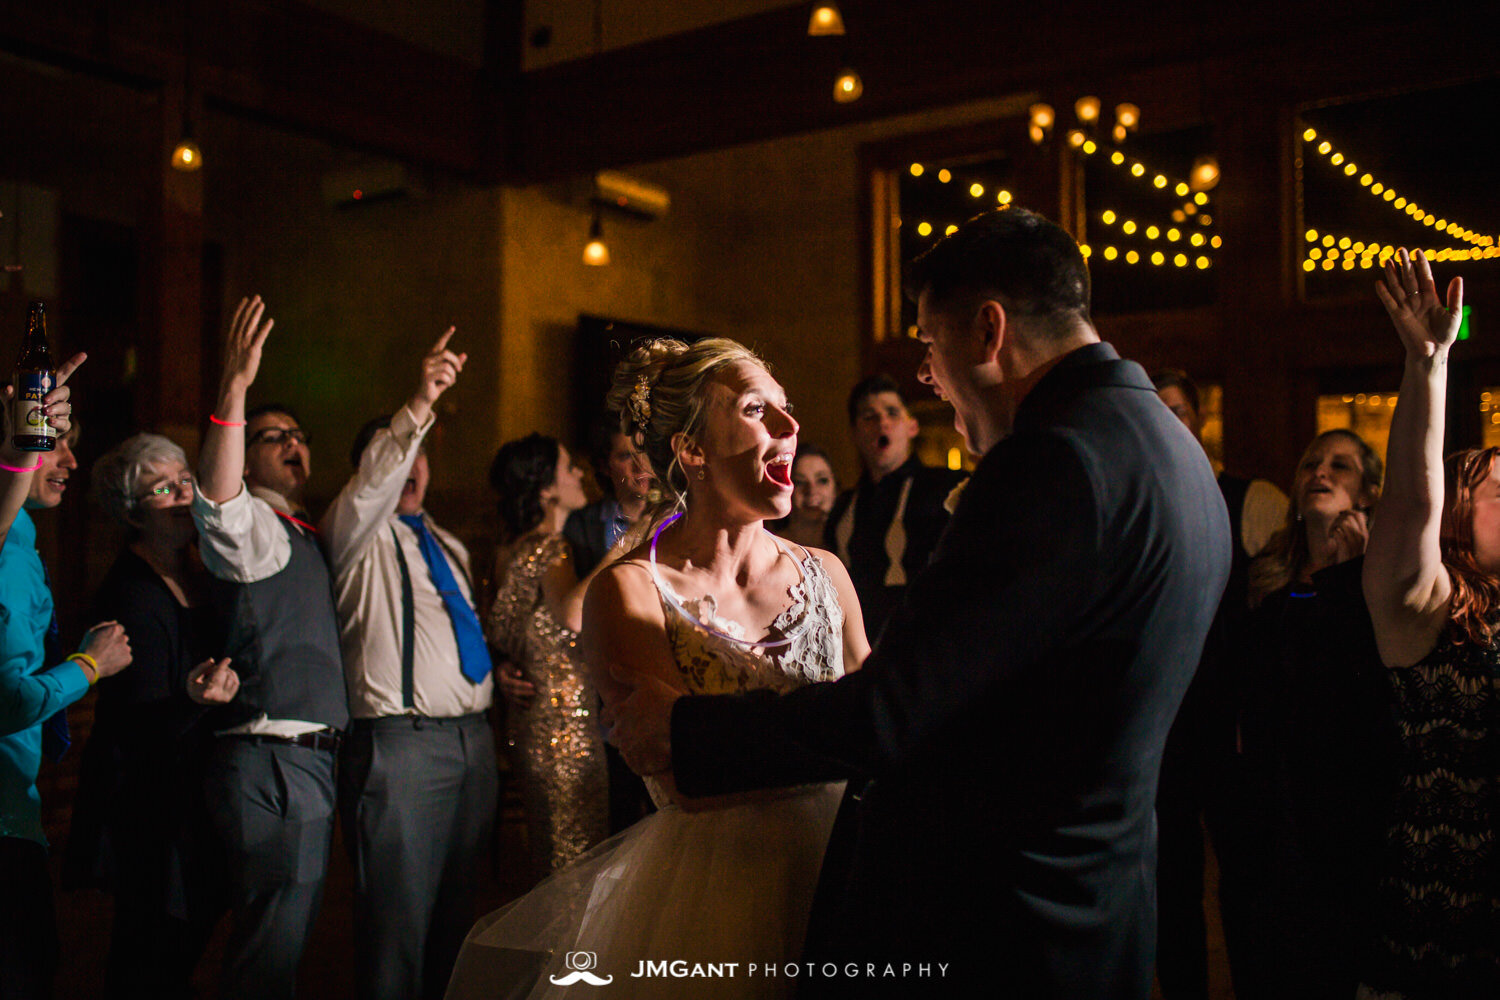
(1027, 262)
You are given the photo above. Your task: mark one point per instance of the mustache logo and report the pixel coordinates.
(580, 962)
(580, 976)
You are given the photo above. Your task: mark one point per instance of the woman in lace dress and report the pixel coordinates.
(711, 603)
(556, 745)
(1432, 580)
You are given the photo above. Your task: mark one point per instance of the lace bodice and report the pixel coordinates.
(711, 664)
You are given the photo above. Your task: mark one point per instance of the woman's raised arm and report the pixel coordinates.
(1406, 587)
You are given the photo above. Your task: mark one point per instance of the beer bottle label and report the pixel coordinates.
(27, 419)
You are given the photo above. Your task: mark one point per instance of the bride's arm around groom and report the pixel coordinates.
(1013, 715)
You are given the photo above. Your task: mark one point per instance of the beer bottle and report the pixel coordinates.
(35, 377)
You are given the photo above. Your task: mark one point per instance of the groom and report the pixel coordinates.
(1004, 738)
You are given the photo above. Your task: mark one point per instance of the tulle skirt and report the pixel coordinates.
(682, 904)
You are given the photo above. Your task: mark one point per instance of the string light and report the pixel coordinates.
(1386, 193)
(1043, 118)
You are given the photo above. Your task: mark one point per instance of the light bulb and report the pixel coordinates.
(187, 156)
(595, 251)
(1205, 173)
(825, 20)
(1087, 109)
(848, 87)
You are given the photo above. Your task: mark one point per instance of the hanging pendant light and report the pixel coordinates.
(825, 20)
(848, 87)
(186, 156)
(596, 251)
(1205, 173)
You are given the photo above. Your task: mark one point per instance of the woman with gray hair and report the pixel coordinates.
(139, 824)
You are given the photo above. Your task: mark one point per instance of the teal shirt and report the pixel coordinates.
(30, 691)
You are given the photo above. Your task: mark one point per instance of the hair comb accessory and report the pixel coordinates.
(640, 403)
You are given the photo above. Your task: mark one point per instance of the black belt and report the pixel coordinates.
(414, 721)
(325, 739)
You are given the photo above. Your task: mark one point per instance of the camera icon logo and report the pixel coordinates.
(581, 962)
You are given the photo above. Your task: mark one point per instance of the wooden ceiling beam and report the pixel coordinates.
(761, 77)
(284, 63)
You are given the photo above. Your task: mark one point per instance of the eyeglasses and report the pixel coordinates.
(279, 435)
(185, 484)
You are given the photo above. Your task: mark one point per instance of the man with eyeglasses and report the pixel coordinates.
(270, 782)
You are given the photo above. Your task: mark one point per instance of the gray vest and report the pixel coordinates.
(284, 641)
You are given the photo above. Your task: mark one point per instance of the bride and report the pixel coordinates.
(711, 603)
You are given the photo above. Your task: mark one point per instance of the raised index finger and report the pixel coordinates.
(70, 366)
(442, 342)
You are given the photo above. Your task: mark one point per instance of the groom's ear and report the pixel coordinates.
(990, 329)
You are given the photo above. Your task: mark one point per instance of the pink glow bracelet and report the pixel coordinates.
(29, 468)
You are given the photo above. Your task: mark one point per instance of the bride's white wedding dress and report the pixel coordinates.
(730, 883)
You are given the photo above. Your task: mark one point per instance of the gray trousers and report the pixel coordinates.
(418, 798)
(273, 806)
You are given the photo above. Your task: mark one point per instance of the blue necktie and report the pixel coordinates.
(473, 652)
(55, 736)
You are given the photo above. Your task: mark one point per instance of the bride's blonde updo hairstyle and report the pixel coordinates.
(659, 390)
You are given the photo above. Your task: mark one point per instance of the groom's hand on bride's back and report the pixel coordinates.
(638, 717)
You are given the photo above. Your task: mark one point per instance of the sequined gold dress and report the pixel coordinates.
(728, 886)
(556, 745)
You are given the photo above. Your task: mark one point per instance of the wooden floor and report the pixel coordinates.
(84, 920)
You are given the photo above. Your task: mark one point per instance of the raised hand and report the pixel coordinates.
(1427, 326)
(109, 647)
(440, 368)
(55, 404)
(213, 682)
(247, 335)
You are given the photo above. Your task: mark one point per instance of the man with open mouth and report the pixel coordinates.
(270, 782)
(885, 528)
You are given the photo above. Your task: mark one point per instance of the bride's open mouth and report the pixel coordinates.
(779, 471)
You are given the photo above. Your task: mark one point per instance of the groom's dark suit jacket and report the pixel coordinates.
(1011, 720)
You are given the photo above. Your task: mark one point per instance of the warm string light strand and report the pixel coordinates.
(1327, 251)
(1193, 251)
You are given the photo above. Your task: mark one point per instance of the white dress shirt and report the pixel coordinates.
(362, 532)
(242, 541)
